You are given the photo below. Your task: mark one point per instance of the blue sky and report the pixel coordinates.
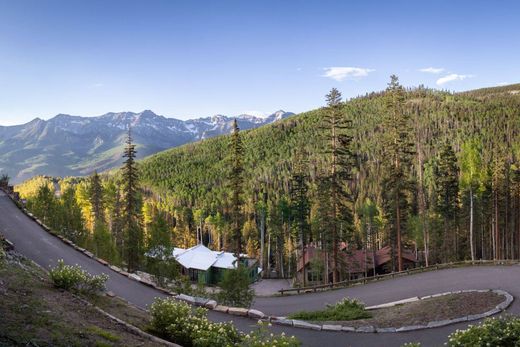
(187, 59)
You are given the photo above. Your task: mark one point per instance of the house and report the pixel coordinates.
(205, 266)
(354, 263)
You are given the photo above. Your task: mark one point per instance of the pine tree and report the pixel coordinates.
(338, 146)
(236, 183)
(447, 182)
(96, 200)
(398, 148)
(132, 218)
(300, 205)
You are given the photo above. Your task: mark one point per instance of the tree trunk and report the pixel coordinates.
(471, 223)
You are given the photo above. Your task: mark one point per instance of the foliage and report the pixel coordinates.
(177, 322)
(235, 289)
(262, 337)
(344, 310)
(497, 332)
(74, 278)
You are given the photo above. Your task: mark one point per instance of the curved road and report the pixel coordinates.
(32, 241)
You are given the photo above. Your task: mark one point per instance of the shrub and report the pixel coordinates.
(262, 337)
(175, 321)
(74, 278)
(346, 309)
(235, 288)
(496, 332)
(2, 254)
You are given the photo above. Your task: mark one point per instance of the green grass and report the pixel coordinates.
(345, 310)
(104, 334)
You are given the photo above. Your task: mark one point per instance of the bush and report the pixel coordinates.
(2, 254)
(346, 309)
(496, 332)
(74, 278)
(235, 288)
(176, 322)
(262, 337)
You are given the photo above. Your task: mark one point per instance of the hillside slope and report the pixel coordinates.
(72, 145)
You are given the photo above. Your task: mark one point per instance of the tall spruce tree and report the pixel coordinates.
(96, 200)
(236, 185)
(300, 205)
(132, 216)
(338, 147)
(399, 149)
(447, 182)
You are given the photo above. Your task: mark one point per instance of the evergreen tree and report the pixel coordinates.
(447, 182)
(300, 205)
(72, 221)
(398, 151)
(131, 218)
(338, 147)
(236, 182)
(96, 200)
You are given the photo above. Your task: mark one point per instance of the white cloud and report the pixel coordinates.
(340, 73)
(433, 70)
(503, 83)
(452, 77)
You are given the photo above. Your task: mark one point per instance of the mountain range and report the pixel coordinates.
(68, 145)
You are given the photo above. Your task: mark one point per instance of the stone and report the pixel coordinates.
(238, 311)
(282, 321)
(89, 254)
(200, 301)
(331, 327)
(211, 304)
(385, 330)
(366, 329)
(410, 328)
(110, 294)
(221, 308)
(475, 316)
(348, 329)
(104, 262)
(252, 313)
(438, 323)
(134, 277)
(115, 268)
(305, 325)
(187, 298)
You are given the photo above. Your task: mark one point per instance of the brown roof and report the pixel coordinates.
(355, 260)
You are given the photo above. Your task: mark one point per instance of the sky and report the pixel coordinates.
(188, 59)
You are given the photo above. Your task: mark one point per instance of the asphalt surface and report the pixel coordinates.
(35, 243)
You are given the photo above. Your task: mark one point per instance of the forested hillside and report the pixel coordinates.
(438, 171)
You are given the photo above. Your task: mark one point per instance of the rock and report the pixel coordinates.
(221, 308)
(104, 262)
(89, 254)
(134, 277)
(305, 325)
(282, 321)
(385, 330)
(330, 327)
(255, 314)
(200, 301)
(187, 298)
(211, 304)
(475, 316)
(238, 311)
(115, 268)
(348, 329)
(366, 329)
(410, 328)
(110, 294)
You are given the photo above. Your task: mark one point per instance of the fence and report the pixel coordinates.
(365, 280)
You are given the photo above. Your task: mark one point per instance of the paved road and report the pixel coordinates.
(32, 241)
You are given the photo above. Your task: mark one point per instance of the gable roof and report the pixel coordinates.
(200, 257)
